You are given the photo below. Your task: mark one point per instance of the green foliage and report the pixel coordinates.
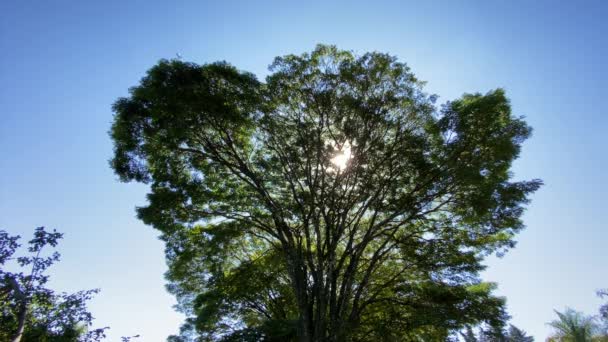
(603, 314)
(518, 335)
(573, 326)
(31, 312)
(491, 334)
(267, 237)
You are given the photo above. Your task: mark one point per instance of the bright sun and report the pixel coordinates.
(341, 159)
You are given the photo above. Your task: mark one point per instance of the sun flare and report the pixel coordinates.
(342, 158)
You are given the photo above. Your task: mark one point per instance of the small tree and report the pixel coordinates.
(31, 312)
(573, 326)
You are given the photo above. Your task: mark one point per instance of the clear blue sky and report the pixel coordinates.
(62, 64)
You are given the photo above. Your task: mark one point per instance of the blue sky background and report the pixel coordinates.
(63, 63)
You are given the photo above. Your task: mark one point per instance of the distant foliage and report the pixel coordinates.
(604, 311)
(517, 335)
(489, 334)
(574, 326)
(31, 312)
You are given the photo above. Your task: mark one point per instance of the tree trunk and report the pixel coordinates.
(21, 319)
(22, 314)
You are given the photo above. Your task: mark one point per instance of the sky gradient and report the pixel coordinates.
(63, 64)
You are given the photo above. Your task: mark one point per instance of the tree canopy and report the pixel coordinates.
(335, 201)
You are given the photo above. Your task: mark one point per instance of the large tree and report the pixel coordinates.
(332, 202)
